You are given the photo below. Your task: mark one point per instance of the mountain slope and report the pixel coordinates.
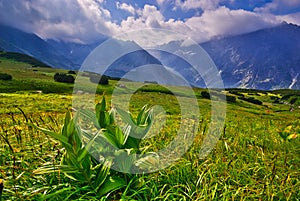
(265, 59)
(74, 52)
(22, 58)
(14, 40)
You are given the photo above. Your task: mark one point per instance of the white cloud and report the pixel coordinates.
(126, 7)
(148, 17)
(151, 11)
(203, 4)
(93, 10)
(279, 6)
(151, 17)
(70, 20)
(224, 22)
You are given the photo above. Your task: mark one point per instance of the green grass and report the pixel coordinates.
(250, 161)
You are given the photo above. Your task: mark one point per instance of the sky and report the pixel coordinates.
(86, 21)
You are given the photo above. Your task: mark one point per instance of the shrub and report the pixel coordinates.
(62, 77)
(72, 72)
(251, 100)
(205, 94)
(155, 88)
(286, 97)
(150, 82)
(5, 76)
(236, 93)
(275, 99)
(98, 79)
(231, 99)
(293, 100)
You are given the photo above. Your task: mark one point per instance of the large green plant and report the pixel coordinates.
(121, 146)
(108, 145)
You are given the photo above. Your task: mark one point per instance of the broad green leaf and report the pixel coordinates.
(101, 113)
(126, 134)
(126, 117)
(73, 160)
(70, 128)
(87, 147)
(64, 131)
(63, 139)
(111, 184)
(86, 166)
(102, 174)
(103, 104)
(140, 115)
(133, 143)
(67, 118)
(124, 160)
(141, 131)
(77, 138)
(111, 116)
(102, 119)
(66, 123)
(111, 139)
(119, 137)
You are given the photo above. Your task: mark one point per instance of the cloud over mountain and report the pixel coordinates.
(85, 21)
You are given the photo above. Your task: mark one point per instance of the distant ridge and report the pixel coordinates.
(14, 40)
(22, 58)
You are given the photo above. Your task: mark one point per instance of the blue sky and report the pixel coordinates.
(86, 21)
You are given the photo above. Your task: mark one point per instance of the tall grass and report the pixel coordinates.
(256, 158)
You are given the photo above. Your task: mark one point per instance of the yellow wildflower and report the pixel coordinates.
(19, 128)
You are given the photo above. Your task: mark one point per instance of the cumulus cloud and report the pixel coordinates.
(212, 23)
(126, 7)
(80, 20)
(148, 17)
(215, 20)
(203, 4)
(279, 6)
(225, 22)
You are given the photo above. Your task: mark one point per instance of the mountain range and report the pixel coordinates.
(264, 59)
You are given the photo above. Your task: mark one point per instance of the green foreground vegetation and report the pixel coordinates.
(256, 158)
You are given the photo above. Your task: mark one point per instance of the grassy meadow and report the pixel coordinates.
(256, 158)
